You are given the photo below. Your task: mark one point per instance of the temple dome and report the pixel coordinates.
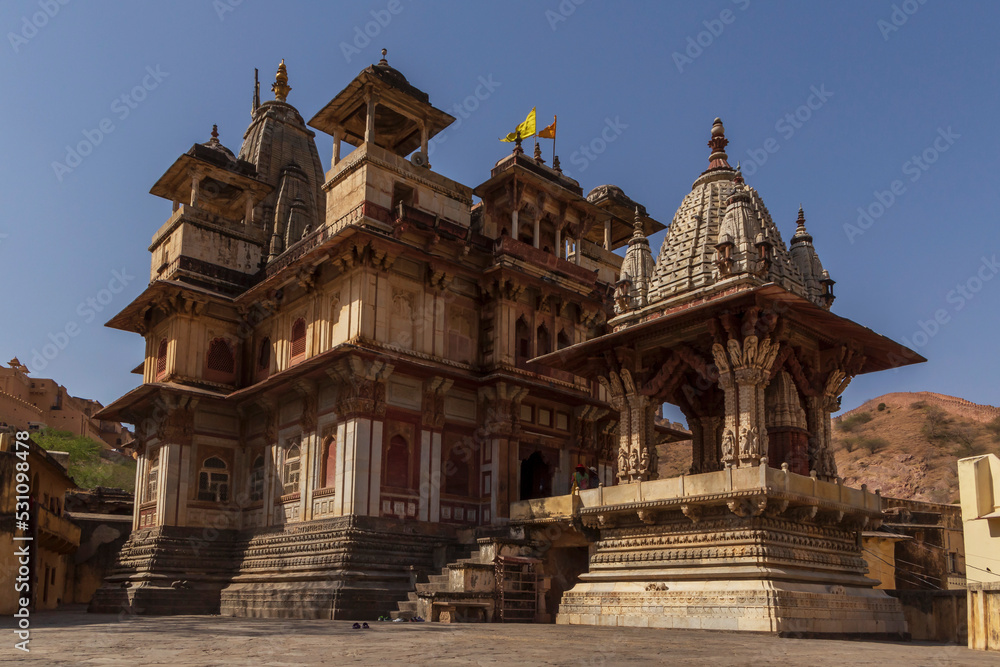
(721, 209)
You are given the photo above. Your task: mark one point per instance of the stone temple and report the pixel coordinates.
(366, 389)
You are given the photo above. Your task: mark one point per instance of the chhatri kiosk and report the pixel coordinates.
(735, 329)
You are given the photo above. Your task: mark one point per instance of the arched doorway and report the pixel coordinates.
(536, 477)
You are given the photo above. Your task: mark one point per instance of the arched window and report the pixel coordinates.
(257, 479)
(456, 471)
(329, 473)
(220, 363)
(290, 469)
(213, 480)
(543, 341)
(264, 356)
(161, 359)
(397, 463)
(298, 341)
(151, 478)
(522, 340)
(563, 340)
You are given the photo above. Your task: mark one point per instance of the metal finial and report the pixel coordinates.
(215, 134)
(384, 61)
(280, 86)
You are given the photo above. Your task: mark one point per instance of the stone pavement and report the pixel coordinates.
(76, 638)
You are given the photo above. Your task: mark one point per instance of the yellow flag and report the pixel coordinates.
(550, 131)
(524, 130)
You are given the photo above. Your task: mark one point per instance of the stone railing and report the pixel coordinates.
(759, 484)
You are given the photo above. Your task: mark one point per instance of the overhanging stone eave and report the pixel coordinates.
(127, 318)
(121, 408)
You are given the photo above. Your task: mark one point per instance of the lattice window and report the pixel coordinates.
(290, 469)
(213, 480)
(220, 356)
(151, 478)
(257, 479)
(161, 359)
(298, 338)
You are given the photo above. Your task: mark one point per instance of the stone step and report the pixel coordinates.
(405, 615)
(438, 578)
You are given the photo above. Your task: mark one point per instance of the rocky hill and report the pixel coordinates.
(906, 444)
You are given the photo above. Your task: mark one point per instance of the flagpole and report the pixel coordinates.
(555, 131)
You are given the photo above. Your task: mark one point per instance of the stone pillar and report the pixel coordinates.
(636, 444)
(607, 234)
(432, 422)
(501, 425)
(338, 134)
(818, 411)
(248, 204)
(370, 118)
(559, 244)
(579, 249)
(744, 371)
(423, 142)
(362, 404)
(537, 238)
(309, 445)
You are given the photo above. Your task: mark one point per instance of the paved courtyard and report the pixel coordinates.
(76, 638)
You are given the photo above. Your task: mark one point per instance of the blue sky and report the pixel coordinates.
(826, 104)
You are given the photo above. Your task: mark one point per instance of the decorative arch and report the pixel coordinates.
(329, 472)
(396, 466)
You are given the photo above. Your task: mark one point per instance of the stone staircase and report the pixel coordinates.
(465, 590)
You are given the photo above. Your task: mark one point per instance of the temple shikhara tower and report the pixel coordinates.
(366, 389)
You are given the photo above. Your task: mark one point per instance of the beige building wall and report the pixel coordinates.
(979, 487)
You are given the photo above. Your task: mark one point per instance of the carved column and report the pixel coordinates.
(362, 407)
(174, 430)
(309, 446)
(501, 425)
(744, 371)
(819, 409)
(432, 424)
(636, 442)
